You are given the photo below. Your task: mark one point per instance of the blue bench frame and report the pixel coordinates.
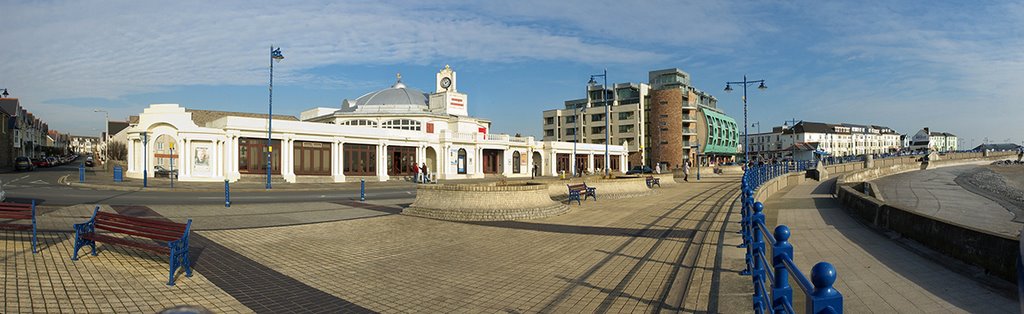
(574, 195)
(13, 214)
(179, 249)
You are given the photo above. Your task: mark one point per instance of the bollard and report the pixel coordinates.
(227, 194)
(362, 190)
(118, 174)
(782, 292)
(81, 173)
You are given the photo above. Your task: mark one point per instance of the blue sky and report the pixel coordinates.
(952, 67)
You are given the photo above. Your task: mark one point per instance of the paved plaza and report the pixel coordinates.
(876, 274)
(654, 253)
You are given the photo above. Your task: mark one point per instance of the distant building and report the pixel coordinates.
(806, 139)
(925, 139)
(998, 147)
(663, 120)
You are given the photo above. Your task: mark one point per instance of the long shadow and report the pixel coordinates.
(589, 230)
(873, 243)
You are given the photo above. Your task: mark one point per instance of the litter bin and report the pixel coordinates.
(118, 174)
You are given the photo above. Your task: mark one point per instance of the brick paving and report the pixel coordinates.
(656, 253)
(876, 274)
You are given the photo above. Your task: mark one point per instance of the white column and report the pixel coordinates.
(215, 159)
(590, 164)
(382, 162)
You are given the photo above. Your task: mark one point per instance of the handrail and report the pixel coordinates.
(772, 276)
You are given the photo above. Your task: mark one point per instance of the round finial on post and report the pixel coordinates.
(781, 233)
(823, 275)
(758, 207)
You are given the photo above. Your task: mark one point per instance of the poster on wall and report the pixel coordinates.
(462, 165)
(201, 161)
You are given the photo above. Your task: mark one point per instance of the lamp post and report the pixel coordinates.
(172, 174)
(576, 136)
(792, 132)
(145, 160)
(746, 135)
(604, 101)
(275, 55)
(106, 135)
(5, 94)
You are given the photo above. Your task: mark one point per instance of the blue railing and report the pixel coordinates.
(772, 292)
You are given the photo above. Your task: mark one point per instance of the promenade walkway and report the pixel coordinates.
(876, 274)
(656, 253)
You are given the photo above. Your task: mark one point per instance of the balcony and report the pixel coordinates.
(689, 131)
(689, 117)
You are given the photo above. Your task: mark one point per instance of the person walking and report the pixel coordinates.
(423, 171)
(415, 173)
(686, 171)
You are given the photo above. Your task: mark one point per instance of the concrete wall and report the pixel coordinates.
(623, 187)
(462, 202)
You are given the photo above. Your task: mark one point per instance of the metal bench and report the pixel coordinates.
(170, 238)
(14, 211)
(652, 181)
(575, 191)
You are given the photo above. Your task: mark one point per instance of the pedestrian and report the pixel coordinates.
(415, 173)
(423, 171)
(686, 171)
(533, 174)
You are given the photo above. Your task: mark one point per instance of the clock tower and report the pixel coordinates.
(446, 99)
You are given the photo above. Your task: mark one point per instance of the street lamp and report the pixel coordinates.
(5, 94)
(576, 135)
(746, 135)
(145, 160)
(106, 136)
(604, 101)
(275, 55)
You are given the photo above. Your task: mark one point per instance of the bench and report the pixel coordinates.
(575, 190)
(16, 211)
(170, 238)
(652, 181)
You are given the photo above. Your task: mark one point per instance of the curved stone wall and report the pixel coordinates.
(621, 187)
(464, 202)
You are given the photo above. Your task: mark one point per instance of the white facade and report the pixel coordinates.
(832, 139)
(376, 137)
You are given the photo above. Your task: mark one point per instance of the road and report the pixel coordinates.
(42, 186)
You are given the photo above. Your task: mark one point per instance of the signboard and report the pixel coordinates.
(201, 161)
(456, 103)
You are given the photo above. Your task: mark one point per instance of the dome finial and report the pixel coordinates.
(398, 83)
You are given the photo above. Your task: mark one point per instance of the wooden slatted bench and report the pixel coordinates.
(14, 211)
(576, 190)
(169, 238)
(652, 181)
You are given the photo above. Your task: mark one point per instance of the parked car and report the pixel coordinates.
(160, 171)
(52, 161)
(640, 170)
(89, 162)
(23, 164)
(40, 162)
(3, 195)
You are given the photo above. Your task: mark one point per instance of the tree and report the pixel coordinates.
(117, 151)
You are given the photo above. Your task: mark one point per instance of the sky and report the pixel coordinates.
(907, 65)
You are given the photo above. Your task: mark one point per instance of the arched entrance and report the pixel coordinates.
(538, 164)
(431, 160)
(164, 158)
(461, 164)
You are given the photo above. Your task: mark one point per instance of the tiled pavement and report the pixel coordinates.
(876, 274)
(656, 253)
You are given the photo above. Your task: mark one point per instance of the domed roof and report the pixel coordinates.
(397, 94)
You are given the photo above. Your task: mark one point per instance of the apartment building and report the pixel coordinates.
(662, 122)
(806, 139)
(926, 139)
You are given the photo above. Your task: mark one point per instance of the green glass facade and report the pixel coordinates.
(723, 136)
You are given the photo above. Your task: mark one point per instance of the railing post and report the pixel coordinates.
(782, 292)
(757, 248)
(824, 297)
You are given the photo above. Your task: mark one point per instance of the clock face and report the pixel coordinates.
(446, 82)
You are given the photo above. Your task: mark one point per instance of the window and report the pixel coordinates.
(597, 117)
(549, 132)
(549, 120)
(625, 115)
(597, 130)
(664, 116)
(570, 131)
(360, 122)
(662, 123)
(462, 161)
(625, 128)
(570, 119)
(664, 129)
(664, 142)
(402, 124)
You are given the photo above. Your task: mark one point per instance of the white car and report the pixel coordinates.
(3, 196)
